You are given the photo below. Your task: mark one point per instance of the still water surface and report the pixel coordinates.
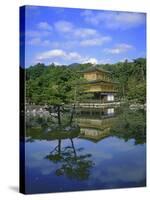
(98, 151)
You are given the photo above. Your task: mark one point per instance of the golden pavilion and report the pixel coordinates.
(99, 83)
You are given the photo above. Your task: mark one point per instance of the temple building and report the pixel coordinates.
(99, 84)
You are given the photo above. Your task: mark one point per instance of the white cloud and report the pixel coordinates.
(114, 20)
(77, 36)
(96, 61)
(39, 36)
(38, 42)
(64, 26)
(46, 42)
(32, 33)
(91, 17)
(37, 33)
(56, 53)
(120, 48)
(91, 60)
(64, 57)
(85, 32)
(34, 41)
(95, 41)
(68, 27)
(44, 26)
(59, 53)
(80, 33)
(65, 44)
(74, 56)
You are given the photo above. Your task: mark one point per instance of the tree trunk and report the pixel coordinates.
(59, 146)
(72, 114)
(58, 114)
(123, 90)
(75, 154)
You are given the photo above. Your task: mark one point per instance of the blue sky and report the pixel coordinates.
(65, 36)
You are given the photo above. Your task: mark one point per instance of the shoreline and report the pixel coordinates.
(39, 109)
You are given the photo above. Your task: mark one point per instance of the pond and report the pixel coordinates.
(102, 149)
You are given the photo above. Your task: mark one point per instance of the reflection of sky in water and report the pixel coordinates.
(116, 164)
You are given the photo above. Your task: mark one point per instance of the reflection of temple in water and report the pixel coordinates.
(93, 124)
(97, 124)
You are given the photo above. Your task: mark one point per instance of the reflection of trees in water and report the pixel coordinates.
(126, 124)
(131, 125)
(51, 133)
(73, 164)
(71, 161)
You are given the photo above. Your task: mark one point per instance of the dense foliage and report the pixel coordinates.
(130, 124)
(131, 77)
(57, 85)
